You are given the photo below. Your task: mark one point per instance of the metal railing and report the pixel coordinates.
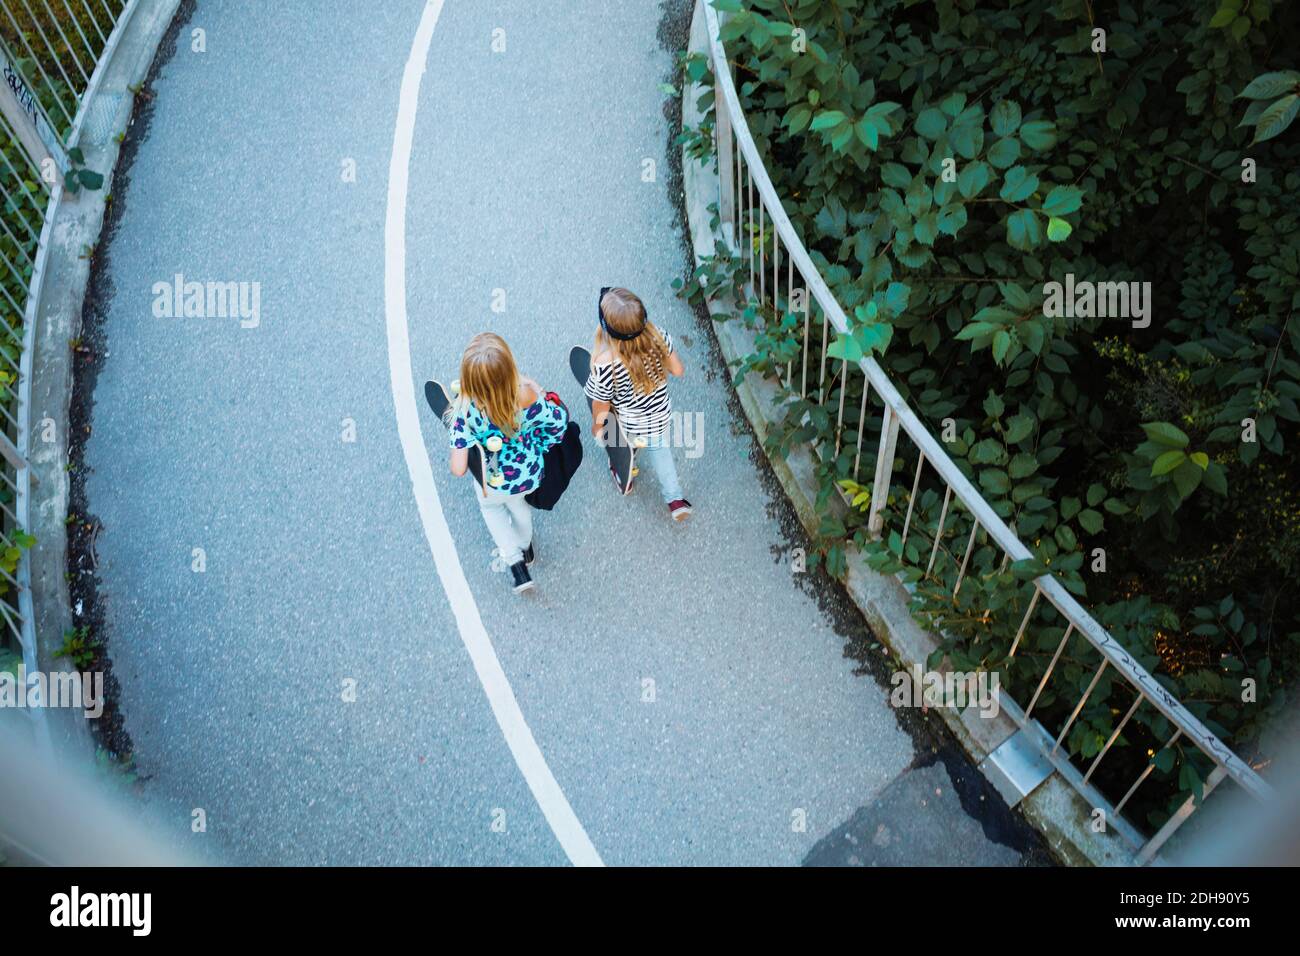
(52, 54)
(749, 204)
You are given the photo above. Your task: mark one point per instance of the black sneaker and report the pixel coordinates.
(529, 556)
(523, 580)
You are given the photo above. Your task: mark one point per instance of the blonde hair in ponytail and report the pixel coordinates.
(646, 356)
(489, 379)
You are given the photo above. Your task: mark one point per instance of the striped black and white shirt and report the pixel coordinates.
(642, 415)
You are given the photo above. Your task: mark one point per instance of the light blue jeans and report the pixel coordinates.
(509, 519)
(658, 454)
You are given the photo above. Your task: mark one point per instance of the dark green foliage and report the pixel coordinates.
(1128, 164)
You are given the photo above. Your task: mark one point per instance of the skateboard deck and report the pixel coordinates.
(621, 450)
(437, 398)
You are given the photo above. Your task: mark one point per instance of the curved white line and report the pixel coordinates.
(555, 807)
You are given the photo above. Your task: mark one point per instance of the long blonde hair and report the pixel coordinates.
(489, 379)
(646, 356)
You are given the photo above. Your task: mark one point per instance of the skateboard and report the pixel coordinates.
(437, 398)
(620, 448)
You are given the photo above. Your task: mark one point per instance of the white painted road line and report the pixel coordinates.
(550, 798)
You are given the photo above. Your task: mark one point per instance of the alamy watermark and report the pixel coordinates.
(179, 299)
(69, 689)
(956, 689)
(682, 430)
(1102, 300)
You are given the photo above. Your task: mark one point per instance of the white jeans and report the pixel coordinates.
(509, 519)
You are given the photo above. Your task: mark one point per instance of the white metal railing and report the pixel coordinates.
(52, 56)
(741, 175)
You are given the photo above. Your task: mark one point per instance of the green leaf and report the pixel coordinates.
(797, 119)
(1024, 231)
(972, 179)
(987, 452)
(931, 123)
(841, 137)
(995, 481)
(827, 119)
(1186, 477)
(879, 111)
(1066, 537)
(1058, 230)
(1004, 152)
(1005, 117)
(1001, 343)
(1090, 521)
(1163, 433)
(1063, 200)
(1096, 492)
(967, 140)
(893, 174)
(1216, 479)
(1018, 184)
(846, 348)
(1026, 569)
(975, 330)
(1223, 16)
(1019, 427)
(1038, 134)
(952, 218)
(867, 133)
(1201, 459)
(1276, 118)
(1266, 86)
(1167, 462)
(1022, 465)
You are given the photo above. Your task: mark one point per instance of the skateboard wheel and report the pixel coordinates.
(455, 386)
(635, 472)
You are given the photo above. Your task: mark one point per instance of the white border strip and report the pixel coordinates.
(550, 798)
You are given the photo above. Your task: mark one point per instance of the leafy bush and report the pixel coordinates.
(944, 162)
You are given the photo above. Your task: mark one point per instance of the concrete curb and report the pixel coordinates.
(1054, 807)
(75, 223)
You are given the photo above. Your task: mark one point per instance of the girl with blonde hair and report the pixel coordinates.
(631, 362)
(513, 422)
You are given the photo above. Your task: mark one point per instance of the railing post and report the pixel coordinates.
(27, 118)
(9, 451)
(726, 158)
(884, 472)
(1148, 852)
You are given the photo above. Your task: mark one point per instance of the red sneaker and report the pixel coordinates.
(679, 509)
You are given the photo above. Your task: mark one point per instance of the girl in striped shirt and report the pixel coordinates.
(630, 365)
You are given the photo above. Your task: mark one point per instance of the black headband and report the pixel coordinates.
(621, 336)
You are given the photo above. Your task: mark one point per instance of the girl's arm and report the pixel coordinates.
(599, 415)
(675, 366)
(459, 461)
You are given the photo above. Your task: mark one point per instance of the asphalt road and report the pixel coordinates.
(692, 702)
